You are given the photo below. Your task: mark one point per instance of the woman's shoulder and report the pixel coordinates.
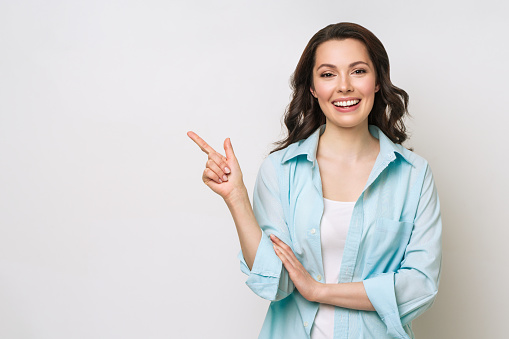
(280, 157)
(273, 161)
(416, 160)
(389, 149)
(276, 162)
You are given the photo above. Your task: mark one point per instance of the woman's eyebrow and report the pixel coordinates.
(326, 65)
(353, 64)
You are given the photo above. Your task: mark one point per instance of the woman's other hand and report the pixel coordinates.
(307, 286)
(222, 174)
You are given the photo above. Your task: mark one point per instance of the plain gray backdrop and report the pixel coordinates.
(107, 230)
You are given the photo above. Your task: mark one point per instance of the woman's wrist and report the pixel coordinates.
(236, 197)
(320, 294)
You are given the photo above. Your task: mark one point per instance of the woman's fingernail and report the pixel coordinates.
(225, 178)
(220, 181)
(227, 170)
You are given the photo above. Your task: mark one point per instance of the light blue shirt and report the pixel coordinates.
(393, 244)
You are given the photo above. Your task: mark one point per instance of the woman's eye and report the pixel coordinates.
(327, 75)
(359, 71)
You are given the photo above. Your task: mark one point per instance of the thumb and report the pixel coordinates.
(228, 149)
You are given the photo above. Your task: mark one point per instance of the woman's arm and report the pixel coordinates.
(224, 177)
(348, 295)
(403, 295)
(267, 276)
(247, 227)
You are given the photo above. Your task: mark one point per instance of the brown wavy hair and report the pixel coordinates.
(303, 115)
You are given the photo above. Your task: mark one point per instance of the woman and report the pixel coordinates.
(350, 240)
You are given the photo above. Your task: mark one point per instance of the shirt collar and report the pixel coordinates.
(306, 147)
(309, 146)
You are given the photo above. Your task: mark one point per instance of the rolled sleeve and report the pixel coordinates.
(400, 297)
(381, 293)
(268, 278)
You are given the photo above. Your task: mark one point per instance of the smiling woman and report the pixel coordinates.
(344, 236)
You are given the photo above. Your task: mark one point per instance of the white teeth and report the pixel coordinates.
(346, 103)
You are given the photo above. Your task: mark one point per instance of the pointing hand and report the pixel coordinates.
(222, 174)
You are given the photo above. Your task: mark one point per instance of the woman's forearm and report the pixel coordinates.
(247, 227)
(348, 295)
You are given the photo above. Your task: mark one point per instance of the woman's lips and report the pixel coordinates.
(346, 109)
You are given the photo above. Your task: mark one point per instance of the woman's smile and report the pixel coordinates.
(346, 102)
(346, 105)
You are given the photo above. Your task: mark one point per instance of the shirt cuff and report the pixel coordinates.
(380, 291)
(264, 276)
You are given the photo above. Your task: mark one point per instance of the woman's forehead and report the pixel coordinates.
(341, 53)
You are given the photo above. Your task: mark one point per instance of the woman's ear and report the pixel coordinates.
(312, 91)
(377, 88)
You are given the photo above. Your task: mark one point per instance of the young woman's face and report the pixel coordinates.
(344, 82)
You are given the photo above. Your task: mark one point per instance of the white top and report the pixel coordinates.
(333, 230)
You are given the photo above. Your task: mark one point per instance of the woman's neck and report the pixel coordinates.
(351, 144)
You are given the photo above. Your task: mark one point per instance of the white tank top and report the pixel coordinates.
(333, 230)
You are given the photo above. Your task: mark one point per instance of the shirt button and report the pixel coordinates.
(313, 231)
(306, 324)
(319, 277)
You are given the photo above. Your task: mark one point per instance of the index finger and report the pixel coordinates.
(200, 142)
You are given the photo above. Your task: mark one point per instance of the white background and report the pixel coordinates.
(106, 228)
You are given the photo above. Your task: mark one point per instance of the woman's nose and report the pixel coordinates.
(344, 85)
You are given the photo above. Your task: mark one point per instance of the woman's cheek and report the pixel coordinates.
(325, 91)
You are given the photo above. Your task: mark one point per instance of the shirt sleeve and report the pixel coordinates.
(268, 278)
(401, 296)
